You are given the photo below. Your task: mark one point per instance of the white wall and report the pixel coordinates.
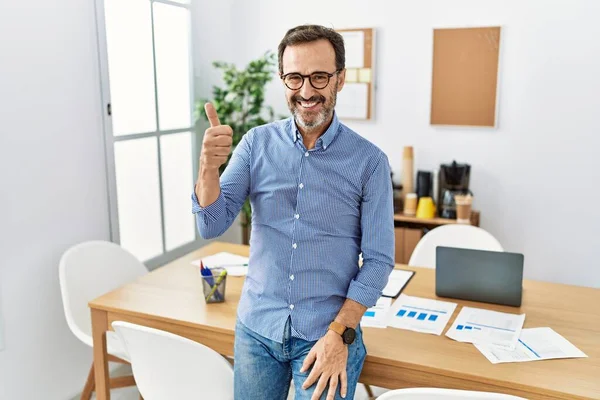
(53, 187)
(532, 176)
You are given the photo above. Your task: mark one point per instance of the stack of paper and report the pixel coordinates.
(533, 344)
(421, 315)
(234, 264)
(474, 325)
(499, 336)
(376, 316)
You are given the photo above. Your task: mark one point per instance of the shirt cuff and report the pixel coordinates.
(213, 211)
(365, 295)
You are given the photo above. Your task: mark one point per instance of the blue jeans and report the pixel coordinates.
(263, 368)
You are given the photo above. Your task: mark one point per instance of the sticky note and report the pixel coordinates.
(364, 75)
(351, 75)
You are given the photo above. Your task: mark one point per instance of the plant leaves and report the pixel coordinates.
(240, 103)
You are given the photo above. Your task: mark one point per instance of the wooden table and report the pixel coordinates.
(170, 298)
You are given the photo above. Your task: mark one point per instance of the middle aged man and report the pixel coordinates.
(321, 194)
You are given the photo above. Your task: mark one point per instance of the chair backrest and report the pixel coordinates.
(168, 366)
(455, 235)
(89, 270)
(446, 394)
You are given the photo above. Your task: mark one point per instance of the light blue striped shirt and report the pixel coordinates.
(313, 212)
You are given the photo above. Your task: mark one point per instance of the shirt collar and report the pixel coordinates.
(326, 138)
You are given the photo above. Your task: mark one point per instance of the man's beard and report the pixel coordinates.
(321, 118)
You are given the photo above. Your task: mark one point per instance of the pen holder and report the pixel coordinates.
(214, 286)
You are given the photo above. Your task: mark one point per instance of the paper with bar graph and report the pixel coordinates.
(475, 325)
(534, 344)
(376, 316)
(420, 315)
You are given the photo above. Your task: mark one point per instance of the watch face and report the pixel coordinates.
(349, 335)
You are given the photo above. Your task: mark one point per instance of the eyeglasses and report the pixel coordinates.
(318, 80)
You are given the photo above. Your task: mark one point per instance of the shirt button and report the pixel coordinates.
(294, 245)
(297, 216)
(325, 146)
(291, 277)
(301, 185)
(291, 306)
(306, 154)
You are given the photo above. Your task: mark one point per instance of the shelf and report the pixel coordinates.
(411, 219)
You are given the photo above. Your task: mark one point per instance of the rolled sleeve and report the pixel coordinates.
(363, 294)
(377, 243)
(211, 213)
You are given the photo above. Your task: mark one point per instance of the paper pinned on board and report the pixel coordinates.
(534, 344)
(352, 101)
(354, 44)
(234, 264)
(376, 316)
(475, 325)
(420, 315)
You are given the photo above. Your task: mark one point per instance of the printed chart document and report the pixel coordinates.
(234, 264)
(420, 315)
(534, 344)
(475, 325)
(398, 279)
(376, 316)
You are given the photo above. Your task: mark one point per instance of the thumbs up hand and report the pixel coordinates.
(216, 145)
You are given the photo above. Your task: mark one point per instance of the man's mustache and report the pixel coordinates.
(315, 98)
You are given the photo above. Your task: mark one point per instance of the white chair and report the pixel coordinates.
(87, 271)
(446, 394)
(455, 235)
(168, 366)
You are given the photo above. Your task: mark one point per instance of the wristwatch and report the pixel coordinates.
(347, 334)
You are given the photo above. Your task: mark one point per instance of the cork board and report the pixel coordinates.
(355, 101)
(465, 76)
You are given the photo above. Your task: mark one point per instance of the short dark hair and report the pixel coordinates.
(311, 33)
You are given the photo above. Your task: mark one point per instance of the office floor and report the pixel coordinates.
(131, 393)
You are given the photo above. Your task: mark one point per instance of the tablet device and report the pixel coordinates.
(396, 282)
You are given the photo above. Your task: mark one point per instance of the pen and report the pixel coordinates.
(214, 291)
(207, 274)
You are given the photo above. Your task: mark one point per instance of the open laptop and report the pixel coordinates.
(479, 275)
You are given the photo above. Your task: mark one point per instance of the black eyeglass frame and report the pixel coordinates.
(329, 75)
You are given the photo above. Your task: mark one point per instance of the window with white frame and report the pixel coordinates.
(146, 73)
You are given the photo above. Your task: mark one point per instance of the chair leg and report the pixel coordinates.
(114, 383)
(89, 385)
(369, 391)
(230, 360)
(121, 382)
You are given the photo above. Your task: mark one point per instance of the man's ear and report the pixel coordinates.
(341, 79)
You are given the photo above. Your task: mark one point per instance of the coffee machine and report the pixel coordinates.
(453, 180)
(424, 184)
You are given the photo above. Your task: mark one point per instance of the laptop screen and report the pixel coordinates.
(479, 275)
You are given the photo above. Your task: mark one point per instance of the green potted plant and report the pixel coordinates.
(240, 104)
